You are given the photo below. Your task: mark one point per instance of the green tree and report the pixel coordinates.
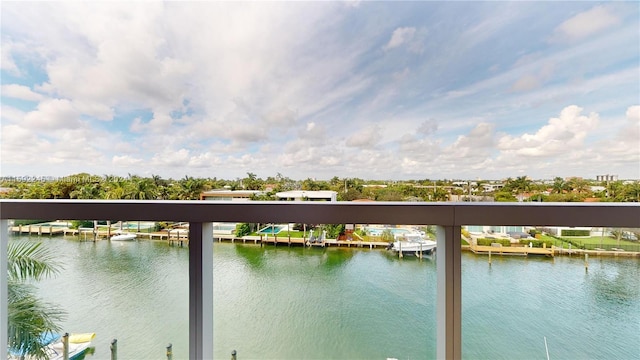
(29, 317)
(252, 182)
(559, 185)
(243, 229)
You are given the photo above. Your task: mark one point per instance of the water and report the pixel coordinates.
(340, 303)
(271, 229)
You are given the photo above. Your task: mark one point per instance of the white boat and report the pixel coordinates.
(413, 244)
(123, 237)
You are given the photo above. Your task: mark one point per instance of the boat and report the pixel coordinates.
(412, 244)
(123, 237)
(78, 345)
(54, 346)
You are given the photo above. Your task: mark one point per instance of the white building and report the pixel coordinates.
(305, 195)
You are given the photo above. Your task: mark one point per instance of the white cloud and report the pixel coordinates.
(472, 147)
(585, 24)
(365, 138)
(53, 114)
(281, 117)
(11, 114)
(633, 114)
(169, 157)
(20, 92)
(400, 36)
(410, 37)
(125, 161)
(565, 133)
(428, 127)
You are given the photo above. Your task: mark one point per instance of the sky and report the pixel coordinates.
(373, 90)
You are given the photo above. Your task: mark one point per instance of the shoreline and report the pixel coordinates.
(180, 237)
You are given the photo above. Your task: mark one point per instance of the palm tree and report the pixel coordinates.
(559, 185)
(29, 317)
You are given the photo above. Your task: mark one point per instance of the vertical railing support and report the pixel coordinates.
(449, 325)
(4, 319)
(200, 290)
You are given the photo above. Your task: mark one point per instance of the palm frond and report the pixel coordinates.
(28, 260)
(29, 318)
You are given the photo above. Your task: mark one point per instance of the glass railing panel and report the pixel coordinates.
(134, 290)
(323, 291)
(527, 291)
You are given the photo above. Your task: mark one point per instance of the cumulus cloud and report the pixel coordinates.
(11, 114)
(178, 158)
(585, 24)
(428, 127)
(20, 92)
(474, 145)
(567, 131)
(365, 138)
(281, 117)
(633, 114)
(53, 114)
(125, 161)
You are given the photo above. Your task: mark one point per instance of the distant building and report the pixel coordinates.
(304, 195)
(497, 230)
(492, 187)
(230, 195)
(606, 177)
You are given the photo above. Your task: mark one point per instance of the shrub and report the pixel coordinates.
(575, 232)
(243, 229)
(28, 222)
(536, 243)
(488, 242)
(76, 224)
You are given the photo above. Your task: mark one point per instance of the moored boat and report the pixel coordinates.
(412, 244)
(123, 237)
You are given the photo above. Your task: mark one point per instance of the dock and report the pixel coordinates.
(292, 241)
(512, 250)
(38, 230)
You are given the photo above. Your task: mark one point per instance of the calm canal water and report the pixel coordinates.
(337, 303)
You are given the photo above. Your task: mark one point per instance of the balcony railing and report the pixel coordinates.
(448, 218)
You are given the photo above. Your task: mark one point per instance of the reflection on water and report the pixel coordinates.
(344, 303)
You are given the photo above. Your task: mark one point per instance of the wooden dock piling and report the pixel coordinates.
(65, 346)
(586, 262)
(114, 349)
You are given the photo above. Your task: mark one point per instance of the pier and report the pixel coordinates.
(512, 250)
(180, 237)
(293, 241)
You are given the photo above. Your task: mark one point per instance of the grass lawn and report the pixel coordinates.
(593, 242)
(606, 241)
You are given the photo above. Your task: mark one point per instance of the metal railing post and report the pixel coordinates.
(4, 319)
(200, 290)
(449, 290)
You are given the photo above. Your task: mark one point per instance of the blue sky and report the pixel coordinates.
(375, 90)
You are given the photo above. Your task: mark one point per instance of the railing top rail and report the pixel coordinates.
(447, 214)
